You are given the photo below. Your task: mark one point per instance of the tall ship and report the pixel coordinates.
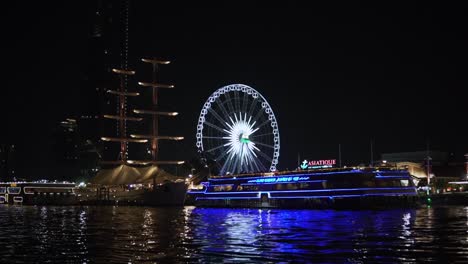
(142, 181)
(322, 188)
(137, 179)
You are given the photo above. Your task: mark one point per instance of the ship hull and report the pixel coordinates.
(373, 202)
(168, 194)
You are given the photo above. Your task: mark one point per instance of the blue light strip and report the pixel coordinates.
(279, 179)
(326, 190)
(291, 175)
(226, 198)
(319, 167)
(403, 177)
(310, 197)
(344, 195)
(232, 192)
(251, 184)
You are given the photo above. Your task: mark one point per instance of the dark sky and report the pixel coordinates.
(338, 73)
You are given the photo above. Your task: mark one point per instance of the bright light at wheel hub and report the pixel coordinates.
(239, 143)
(244, 138)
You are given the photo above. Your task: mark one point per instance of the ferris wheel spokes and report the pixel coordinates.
(265, 145)
(232, 117)
(214, 126)
(259, 135)
(217, 116)
(215, 137)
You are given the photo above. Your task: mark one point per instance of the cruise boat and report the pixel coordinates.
(325, 188)
(38, 193)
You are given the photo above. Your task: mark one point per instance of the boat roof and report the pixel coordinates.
(124, 174)
(324, 170)
(14, 184)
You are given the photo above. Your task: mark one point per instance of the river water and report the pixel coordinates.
(112, 234)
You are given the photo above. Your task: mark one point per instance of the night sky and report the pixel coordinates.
(333, 74)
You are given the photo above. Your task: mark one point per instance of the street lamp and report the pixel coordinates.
(428, 172)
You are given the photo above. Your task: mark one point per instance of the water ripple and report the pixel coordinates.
(49, 234)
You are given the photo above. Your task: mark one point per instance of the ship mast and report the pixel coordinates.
(124, 73)
(122, 118)
(154, 114)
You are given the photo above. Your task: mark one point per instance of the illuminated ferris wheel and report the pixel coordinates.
(238, 128)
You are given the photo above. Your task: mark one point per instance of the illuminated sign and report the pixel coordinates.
(316, 164)
(279, 179)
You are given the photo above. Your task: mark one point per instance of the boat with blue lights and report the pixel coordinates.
(323, 188)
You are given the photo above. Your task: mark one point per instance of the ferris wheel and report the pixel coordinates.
(238, 128)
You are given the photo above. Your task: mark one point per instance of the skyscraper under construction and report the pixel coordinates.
(108, 49)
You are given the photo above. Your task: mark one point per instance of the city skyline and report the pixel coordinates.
(330, 76)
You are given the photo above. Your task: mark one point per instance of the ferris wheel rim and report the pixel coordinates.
(271, 118)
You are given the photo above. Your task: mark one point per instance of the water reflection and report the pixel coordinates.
(154, 235)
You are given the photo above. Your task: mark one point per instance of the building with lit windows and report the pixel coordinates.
(442, 167)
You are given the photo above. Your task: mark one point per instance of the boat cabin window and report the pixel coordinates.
(324, 184)
(405, 183)
(388, 183)
(223, 188)
(2, 190)
(14, 190)
(287, 186)
(300, 186)
(312, 185)
(280, 186)
(32, 190)
(368, 184)
(250, 187)
(340, 184)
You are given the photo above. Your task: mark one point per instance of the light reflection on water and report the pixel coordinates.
(30, 234)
